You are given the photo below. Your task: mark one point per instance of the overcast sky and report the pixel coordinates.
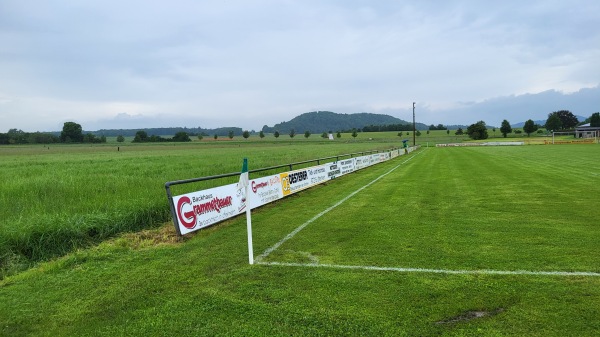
(134, 64)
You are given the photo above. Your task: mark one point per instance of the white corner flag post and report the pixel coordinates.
(244, 181)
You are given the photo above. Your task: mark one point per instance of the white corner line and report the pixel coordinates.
(268, 251)
(437, 271)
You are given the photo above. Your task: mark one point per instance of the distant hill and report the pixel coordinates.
(324, 121)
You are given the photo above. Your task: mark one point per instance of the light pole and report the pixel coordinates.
(414, 129)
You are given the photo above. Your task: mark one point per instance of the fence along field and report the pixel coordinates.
(194, 211)
(56, 199)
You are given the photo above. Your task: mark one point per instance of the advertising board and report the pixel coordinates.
(298, 180)
(201, 209)
(333, 170)
(265, 190)
(346, 166)
(362, 162)
(374, 159)
(196, 210)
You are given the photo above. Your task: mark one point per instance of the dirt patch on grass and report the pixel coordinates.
(470, 315)
(164, 235)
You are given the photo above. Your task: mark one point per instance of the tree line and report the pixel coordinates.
(562, 120)
(71, 133)
(142, 137)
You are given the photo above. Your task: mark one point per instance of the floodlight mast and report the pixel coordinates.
(414, 128)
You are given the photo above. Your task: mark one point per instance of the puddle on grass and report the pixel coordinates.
(470, 315)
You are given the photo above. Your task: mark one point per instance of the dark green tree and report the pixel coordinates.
(505, 128)
(90, 138)
(216, 136)
(339, 135)
(71, 132)
(459, 132)
(261, 134)
(553, 123)
(17, 136)
(306, 134)
(42, 138)
(181, 136)
(4, 139)
(230, 134)
(324, 135)
(595, 119)
(438, 127)
(529, 127)
(200, 136)
(120, 138)
(567, 118)
(447, 131)
(477, 131)
(354, 133)
(418, 133)
(140, 137)
(276, 134)
(292, 133)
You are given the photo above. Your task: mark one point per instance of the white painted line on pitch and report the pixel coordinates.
(301, 227)
(437, 271)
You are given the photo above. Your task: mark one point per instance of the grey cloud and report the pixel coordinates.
(262, 62)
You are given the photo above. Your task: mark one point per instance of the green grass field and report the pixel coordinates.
(61, 197)
(474, 210)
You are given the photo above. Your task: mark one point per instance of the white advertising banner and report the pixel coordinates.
(265, 190)
(333, 170)
(374, 159)
(197, 210)
(362, 162)
(201, 209)
(298, 180)
(346, 166)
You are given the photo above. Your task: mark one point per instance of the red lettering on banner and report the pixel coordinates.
(256, 186)
(214, 205)
(187, 218)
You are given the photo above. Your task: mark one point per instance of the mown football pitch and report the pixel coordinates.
(514, 219)
(452, 241)
(500, 210)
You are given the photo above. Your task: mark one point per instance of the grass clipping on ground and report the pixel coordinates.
(164, 235)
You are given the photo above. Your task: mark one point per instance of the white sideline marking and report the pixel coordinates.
(438, 271)
(301, 227)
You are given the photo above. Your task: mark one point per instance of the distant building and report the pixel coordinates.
(587, 131)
